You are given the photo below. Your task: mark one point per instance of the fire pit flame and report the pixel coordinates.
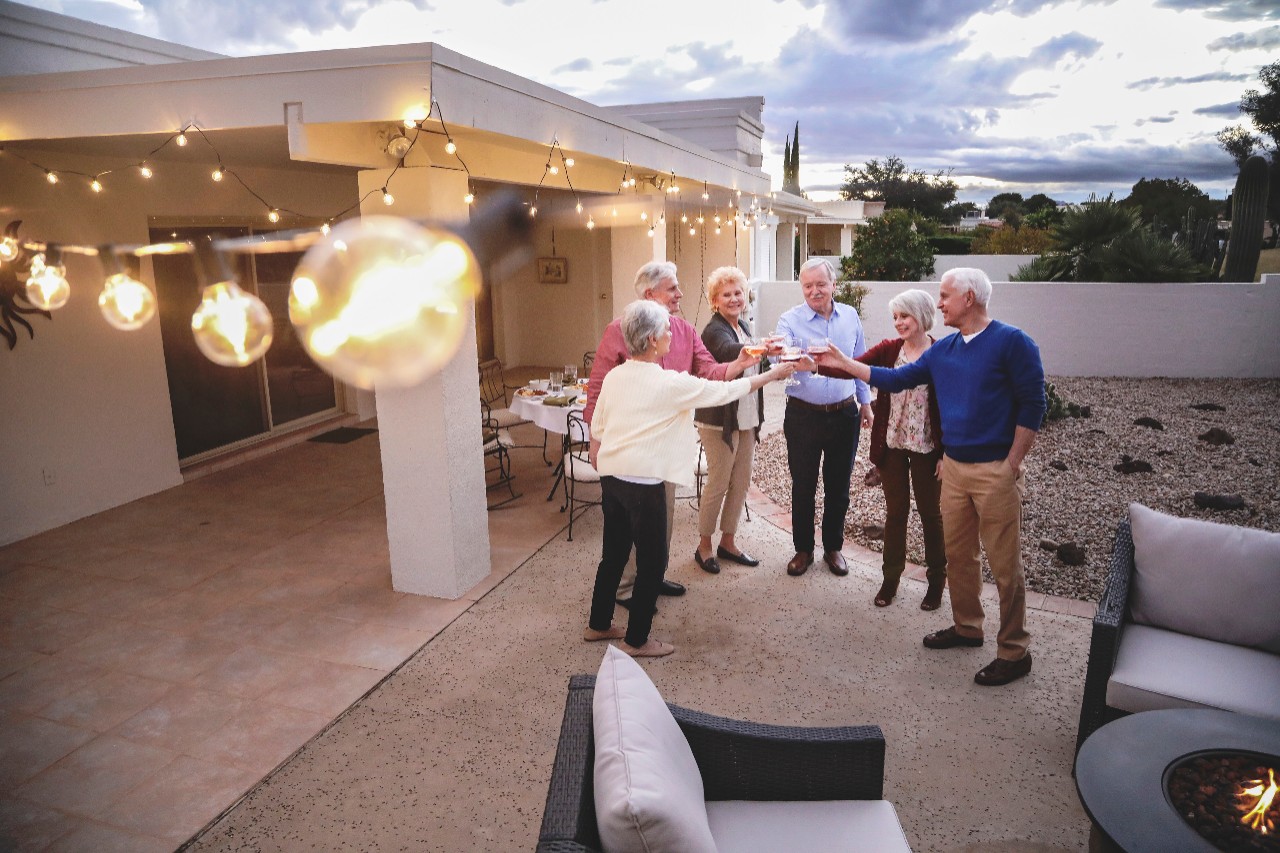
(1265, 792)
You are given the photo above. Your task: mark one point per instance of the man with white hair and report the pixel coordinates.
(989, 383)
(657, 281)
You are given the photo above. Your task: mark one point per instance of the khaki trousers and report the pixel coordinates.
(629, 573)
(982, 506)
(724, 494)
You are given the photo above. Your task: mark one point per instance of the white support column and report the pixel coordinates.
(432, 457)
(786, 241)
(846, 240)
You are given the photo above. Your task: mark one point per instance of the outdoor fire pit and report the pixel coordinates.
(1185, 780)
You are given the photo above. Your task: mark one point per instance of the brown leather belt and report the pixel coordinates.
(826, 407)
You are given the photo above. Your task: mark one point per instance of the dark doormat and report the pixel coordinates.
(341, 435)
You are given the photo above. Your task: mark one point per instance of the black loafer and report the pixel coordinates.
(949, 638)
(670, 588)
(743, 559)
(710, 564)
(1000, 671)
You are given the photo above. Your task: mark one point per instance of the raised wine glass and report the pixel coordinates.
(792, 350)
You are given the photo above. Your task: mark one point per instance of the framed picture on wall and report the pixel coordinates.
(553, 270)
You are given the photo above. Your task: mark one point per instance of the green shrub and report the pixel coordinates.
(852, 293)
(950, 244)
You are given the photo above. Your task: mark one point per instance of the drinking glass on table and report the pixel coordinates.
(556, 384)
(570, 374)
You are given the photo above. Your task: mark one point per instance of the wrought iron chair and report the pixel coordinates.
(497, 460)
(738, 761)
(588, 361)
(578, 470)
(493, 393)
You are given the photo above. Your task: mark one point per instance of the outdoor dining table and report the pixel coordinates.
(552, 419)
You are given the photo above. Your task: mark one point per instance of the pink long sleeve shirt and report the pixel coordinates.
(687, 355)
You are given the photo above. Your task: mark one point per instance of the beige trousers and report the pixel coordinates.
(982, 507)
(629, 573)
(724, 494)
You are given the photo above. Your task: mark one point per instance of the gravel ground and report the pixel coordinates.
(1083, 497)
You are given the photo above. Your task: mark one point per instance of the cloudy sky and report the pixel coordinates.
(1066, 97)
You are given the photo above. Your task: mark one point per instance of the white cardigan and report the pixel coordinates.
(644, 420)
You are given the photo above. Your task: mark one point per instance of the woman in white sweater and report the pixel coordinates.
(641, 435)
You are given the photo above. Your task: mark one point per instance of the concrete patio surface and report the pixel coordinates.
(160, 660)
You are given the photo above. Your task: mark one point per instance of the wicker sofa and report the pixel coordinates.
(1194, 625)
(738, 761)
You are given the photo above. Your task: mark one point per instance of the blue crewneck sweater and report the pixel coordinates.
(985, 389)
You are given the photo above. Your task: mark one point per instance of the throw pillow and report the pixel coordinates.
(1216, 581)
(648, 791)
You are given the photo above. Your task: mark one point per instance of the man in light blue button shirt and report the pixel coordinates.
(823, 419)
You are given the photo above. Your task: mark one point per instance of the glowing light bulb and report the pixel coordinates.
(692, 230)
(650, 230)
(8, 248)
(717, 229)
(450, 148)
(716, 219)
(387, 198)
(51, 177)
(231, 327)
(469, 198)
(182, 138)
(47, 286)
(533, 211)
(591, 223)
(700, 219)
(95, 185)
(273, 215)
(738, 193)
(383, 303)
(579, 207)
(415, 115)
(126, 303)
(145, 170)
(217, 174)
(644, 216)
(325, 229)
(706, 196)
(615, 213)
(632, 182)
(568, 163)
(684, 217)
(555, 170)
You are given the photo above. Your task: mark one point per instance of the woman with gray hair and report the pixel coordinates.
(728, 433)
(642, 436)
(906, 449)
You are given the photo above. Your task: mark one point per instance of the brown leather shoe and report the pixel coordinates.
(800, 563)
(1001, 671)
(835, 562)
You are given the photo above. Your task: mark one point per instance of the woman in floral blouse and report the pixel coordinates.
(906, 448)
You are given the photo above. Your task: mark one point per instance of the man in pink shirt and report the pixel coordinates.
(657, 281)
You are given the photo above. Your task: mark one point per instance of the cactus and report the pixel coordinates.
(1249, 208)
(1200, 238)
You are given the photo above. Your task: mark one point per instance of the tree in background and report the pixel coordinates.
(953, 213)
(1003, 204)
(1162, 203)
(889, 248)
(1262, 106)
(791, 164)
(900, 188)
(1037, 203)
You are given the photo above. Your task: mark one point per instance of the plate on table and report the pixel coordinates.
(530, 392)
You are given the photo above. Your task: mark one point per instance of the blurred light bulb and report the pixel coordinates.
(591, 223)
(95, 185)
(650, 230)
(384, 302)
(579, 207)
(706, 196)
(145, 170)
(8, 248)
(126, 302)
(533, 211)
(568, 163)
(325, 229)
(232, 328)
(716, 219)
(450, 148)
(51, 177)
(632, 182)
(387, 198)
(415, 116)
(555, 170)
(692, 230)
(615, 213)
(717, 229)
(469, 198)
(217, 174)
(47, 286)
(273, 215)
(700, 219)
(738, 193)
(684, 217)
(182, 138)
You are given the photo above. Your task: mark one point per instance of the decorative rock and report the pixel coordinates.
(1217, 437)
(1204, 500)
(1129, 465)
(1048, 545)
(1208, 407)
(1058, 464)
(1163, 452)
(1149, 422)
(1086, 411)
(1071, 554)
(873, 531)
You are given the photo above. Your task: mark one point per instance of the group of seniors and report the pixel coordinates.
(952, 423)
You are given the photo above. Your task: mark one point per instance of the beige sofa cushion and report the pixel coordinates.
(648, 791)
(1216, 581)
(832, 826)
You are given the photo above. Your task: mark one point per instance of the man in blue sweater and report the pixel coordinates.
(990, 387)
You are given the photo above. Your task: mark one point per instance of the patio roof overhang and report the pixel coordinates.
(337, 108)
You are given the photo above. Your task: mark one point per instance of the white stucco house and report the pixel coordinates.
(104, 417)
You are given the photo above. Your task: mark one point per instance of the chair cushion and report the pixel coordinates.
(742, 826)
(648, 791)
(1158, 669)
(579, 469)
(1216, 581)
(506, 418)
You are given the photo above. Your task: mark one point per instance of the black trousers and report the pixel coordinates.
(820, 442)
(634, 514)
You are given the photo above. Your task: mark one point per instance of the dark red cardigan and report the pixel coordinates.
(885, 354)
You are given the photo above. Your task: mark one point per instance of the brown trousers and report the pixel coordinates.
(982, 507)
(901, 472)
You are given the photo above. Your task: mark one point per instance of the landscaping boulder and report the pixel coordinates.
(1208, 407)
(1149, 422)
(1071, 554)
(1217, 437)
(1129, 465)
(1204, 500)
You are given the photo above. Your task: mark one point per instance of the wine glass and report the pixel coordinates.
(755, 347)
(792, 350)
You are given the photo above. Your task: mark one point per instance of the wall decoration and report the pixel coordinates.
(553, 270)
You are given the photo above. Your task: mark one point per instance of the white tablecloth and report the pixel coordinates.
(551, 418)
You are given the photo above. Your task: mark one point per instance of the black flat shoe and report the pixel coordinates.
(742, 559)
(670, 588)
(708, 565)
